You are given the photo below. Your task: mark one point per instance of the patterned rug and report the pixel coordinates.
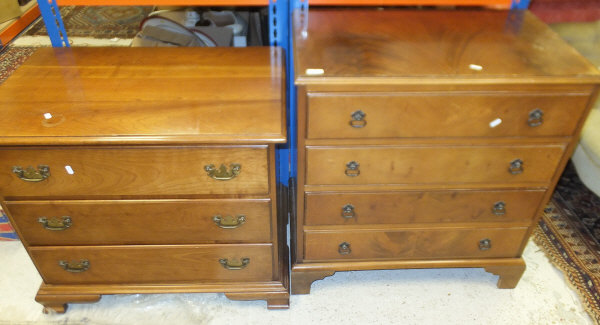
(98, 22)
(569, 234)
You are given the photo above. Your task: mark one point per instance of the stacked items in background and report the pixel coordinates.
(177, 26)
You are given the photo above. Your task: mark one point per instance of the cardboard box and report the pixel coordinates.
(9, 9)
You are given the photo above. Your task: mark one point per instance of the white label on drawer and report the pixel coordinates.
(475, 67)
(69, 170)
(47, 116)
(315, 72)
(495, 122)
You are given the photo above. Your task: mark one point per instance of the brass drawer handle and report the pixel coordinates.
(31, 174)
(235, 265)
(499, 208)
(352, 169)
(229, 222)
(348, 211)
(222, 174)
(358, 119)
(536, 118)
(516, 166)
(74, 266)
(344, 248)
(485, 244)
(56, 223)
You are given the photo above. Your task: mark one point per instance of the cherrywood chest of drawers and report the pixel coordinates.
(428, 138)
(132, 170)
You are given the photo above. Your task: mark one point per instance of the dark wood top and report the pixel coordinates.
(145, 95)
(432, 47)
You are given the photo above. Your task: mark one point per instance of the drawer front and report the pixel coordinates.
(414, 244)
(431, 164)
(134, 171)
(153, 264)
(142, 222)
(390, 115)
(412, 207)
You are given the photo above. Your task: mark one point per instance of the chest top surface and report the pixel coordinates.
(433, 46)
(145, 96)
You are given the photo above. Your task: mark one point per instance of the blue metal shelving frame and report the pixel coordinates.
(280, 29)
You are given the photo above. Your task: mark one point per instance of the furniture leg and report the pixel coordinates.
(509, 274)
(301, 281)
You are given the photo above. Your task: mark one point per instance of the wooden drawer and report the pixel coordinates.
(414, 243)
(431, 164)
(412, 207)
(134, 171)
(142, 222)
(387, 115)
(153, 264)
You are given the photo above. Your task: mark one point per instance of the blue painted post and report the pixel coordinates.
(278, 36)
(520, 4)
(54, 24)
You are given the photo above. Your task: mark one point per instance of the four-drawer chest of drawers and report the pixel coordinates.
(428, 138)
(147, 170)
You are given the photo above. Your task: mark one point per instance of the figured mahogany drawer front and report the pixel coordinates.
(387, 115)
(412, 207)
(153, 264)
(134, 171)
(142, 222)
(431, 164)
(414, 244)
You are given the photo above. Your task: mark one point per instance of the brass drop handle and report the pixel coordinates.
(536, 118)
(358, 119)
(75, 266)
(485, 244)
(30, 174)
(348, 211)
(222, 174)
(499, 208)
(516, 167)
(344, 248)
(352, 169)
(56, 223)
(229, 222)
(234, 265)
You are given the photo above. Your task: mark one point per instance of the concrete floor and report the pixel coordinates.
(432, 296)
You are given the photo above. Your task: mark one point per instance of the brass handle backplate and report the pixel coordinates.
(56, 223)
(344, 248)
(358, 119)
(352, 169)
(516, 167)
(75, 266)
(348, 211)
(234, 265)
(229, 222)
(499, 208)
(30, 174)
(536, 118)
(485, 244)
(222, 174)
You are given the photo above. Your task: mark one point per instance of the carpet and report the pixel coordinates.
(98, 22)
(569, 234)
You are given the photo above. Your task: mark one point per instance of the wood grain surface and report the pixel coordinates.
(431, 164)
(116, 171)
(153, 264)
(414, 207)
(123, 95)
(431, 47)
(442, 114)
(414, 243)
(132, 222)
